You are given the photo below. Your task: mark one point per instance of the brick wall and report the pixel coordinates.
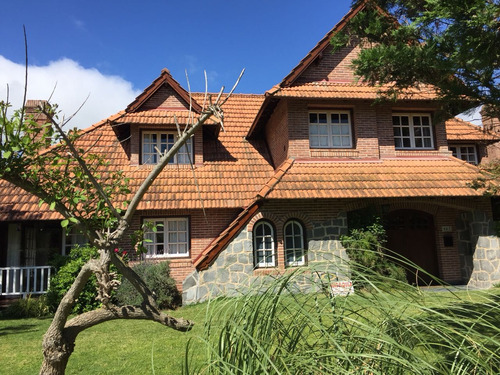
(372, 129)
(331, 67)
(276, 134)
(164, 97)
(202, 231)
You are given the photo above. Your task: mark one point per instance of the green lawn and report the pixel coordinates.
(142, 347)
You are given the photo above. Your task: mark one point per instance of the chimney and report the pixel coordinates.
(491, 124)
(32, 110)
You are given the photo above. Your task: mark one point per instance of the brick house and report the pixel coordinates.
(274, 190)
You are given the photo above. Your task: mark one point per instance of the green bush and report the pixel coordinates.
(157, 278)
(66, 274)
(365, 248)
(31, 307)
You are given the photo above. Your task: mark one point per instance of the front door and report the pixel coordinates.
(411, 234)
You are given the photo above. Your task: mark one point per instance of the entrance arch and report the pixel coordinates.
(411, 234)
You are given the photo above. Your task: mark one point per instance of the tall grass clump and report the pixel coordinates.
(376, 330)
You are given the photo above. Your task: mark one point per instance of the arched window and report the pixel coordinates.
(294, 244)
(263, 244)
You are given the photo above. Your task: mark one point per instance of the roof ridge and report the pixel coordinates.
(276, 178)
(164, 78)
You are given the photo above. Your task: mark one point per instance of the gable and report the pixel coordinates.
(166, 98)
(164, 93)
(331, 67)
(323, 49)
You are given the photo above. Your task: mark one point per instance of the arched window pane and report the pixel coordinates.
(294, 244)
(264, 244)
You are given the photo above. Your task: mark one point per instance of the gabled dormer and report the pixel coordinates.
(150, 123)
(321, 110)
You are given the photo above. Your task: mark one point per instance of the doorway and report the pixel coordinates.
(411, 234)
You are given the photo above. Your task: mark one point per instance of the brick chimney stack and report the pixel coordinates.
(32, 110)
(490, 124)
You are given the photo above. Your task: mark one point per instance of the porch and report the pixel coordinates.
(24, 281)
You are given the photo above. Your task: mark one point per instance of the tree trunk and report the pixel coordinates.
(56, 352)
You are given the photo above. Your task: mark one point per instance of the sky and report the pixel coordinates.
(102, 54)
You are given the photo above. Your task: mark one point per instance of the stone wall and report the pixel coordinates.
(233, 272)
(479, 249)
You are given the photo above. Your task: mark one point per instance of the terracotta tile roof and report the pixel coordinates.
(158, 117)
(335, 90)
(231, 178)
(459, 130)
(411, 177)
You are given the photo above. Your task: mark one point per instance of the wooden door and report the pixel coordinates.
(411, 234)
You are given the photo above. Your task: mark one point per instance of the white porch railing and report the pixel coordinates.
(16, 281)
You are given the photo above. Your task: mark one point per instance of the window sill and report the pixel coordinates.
(164, 257)
(168, 166)
(334, 152)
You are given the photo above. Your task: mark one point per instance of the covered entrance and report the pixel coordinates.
(411, 234)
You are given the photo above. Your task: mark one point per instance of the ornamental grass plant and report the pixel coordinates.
(387, 327)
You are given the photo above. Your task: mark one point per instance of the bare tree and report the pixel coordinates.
(79, 186)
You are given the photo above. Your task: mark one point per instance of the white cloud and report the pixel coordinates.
(71, 84)
(473, 116)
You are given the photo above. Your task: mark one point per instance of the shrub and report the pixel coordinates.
(31, 307)
(157, 278)
(66, 274)
(365, 248)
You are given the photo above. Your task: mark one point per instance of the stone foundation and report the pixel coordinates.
(233, 272)
(479, 249)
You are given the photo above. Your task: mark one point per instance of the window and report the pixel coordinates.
(412, 131)
(294, 244)
(263, 241)
(167, 238)
(465, 152)
(154, 142)
(330, 129)
(72, 239)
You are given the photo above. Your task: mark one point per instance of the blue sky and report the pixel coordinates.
(109, 51)
(131, 41)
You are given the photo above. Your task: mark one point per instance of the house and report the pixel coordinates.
(276, 188)
(471, 143)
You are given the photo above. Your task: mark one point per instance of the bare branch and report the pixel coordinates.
(134, 203)
(234, 87)
(25, 74)
(206, 90)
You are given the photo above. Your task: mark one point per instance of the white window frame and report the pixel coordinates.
(330, 129)
(415, 133)
(154, 141)
(293, 234)
(166, 237)
(72, 239)
(264, 245)
(470, 156)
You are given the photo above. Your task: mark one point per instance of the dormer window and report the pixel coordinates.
(330, 129)
(465, 152)
(154, 142)
(412, 131)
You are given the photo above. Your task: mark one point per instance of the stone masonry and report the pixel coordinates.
(233, 272)
(479, 249)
